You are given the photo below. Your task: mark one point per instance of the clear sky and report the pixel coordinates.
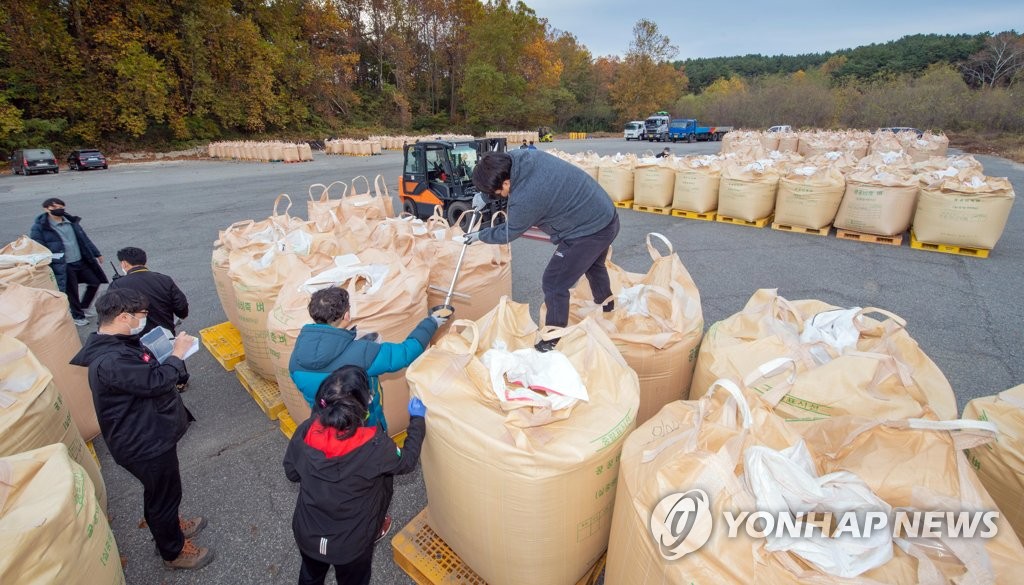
(721, 28)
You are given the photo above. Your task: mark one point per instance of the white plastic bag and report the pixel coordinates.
(545, 379)
(785, 483)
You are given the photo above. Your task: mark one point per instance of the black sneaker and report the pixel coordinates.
(545, 346)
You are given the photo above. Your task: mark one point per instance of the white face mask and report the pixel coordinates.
(137, 330)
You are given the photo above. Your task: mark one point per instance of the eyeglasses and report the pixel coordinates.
(143, 312)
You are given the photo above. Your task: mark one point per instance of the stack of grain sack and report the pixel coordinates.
(353, 147)
(657, 324)
(785, 395)
(522, 453)
(40, 339)
(266, 151)
(393, 269)
(514, 137)
(52, 495)
(880, 183)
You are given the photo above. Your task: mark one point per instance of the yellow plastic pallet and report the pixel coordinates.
(224, 343)
(652, 209)
(264, 392)
(797, 229)
(92, 450)
(709, 216)
(948, 248)
(872, 238)
(624, 204)
(428, 560)
(286, 424)
(760, 223)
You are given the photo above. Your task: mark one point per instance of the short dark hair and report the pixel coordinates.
(328, 305)
(133, 256)
(119, 300)
(343, 400)
(493, 169)
(52, 201)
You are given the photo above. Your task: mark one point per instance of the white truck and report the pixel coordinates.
(634, 130)
(656, 127)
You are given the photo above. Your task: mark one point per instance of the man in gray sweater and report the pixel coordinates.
(567, 204)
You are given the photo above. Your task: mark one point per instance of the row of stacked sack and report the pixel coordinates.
(394, 269)
(265, 151)
(353, 147)
(857, 143)
(946, 199)
(397, 142)
(560, 481)
(514, 137)
(794, 407)
(52, 495)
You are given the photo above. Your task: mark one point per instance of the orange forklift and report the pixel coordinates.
(440, 173)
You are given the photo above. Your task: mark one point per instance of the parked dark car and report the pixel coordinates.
(33, 160)
(85, 159)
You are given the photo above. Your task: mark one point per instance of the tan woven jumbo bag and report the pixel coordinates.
(27, 262)
(39, 318)
(885, 376)
(33, 414)
(52, 530)
(523, 494)
(657, 324)
(1000, 464)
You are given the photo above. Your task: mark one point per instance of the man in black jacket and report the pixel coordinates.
(166, 301)
(76, 259)
(142, 418)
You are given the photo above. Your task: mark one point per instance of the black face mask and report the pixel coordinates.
(57, 212)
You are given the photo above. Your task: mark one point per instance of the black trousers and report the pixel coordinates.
(357, 572)
(584, 256)
(78, 273)
(161, 497)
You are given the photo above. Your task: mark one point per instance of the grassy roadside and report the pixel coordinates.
(1010, 146)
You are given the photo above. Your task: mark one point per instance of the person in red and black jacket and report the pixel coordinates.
(345, 472)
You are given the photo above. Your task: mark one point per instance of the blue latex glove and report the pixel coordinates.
(417, 408)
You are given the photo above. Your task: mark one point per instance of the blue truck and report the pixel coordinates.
(688, 130)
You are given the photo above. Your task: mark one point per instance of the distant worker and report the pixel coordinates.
(531, 147)
(564, 202)
(665, 153)
(524, 146)
(76, 260)
(346, 471)
(328, 344)
(166, 301)
(142, 418)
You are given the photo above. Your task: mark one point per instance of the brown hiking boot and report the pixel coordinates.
(192, 526)
(191, 557)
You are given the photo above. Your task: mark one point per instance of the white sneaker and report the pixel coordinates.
(81, 322)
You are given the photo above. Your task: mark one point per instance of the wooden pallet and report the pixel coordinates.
(948, 248)
(623, 204)
(224, 343)
(797, 229)
(760, 223)
(92, 451)
(287, 424)
(872, 238)
(652, 209)
(428, 560)
(264, 392)
(708, 216)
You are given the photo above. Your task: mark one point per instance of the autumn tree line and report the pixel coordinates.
(170, 72)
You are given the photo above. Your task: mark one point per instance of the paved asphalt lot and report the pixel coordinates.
(961, 310)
